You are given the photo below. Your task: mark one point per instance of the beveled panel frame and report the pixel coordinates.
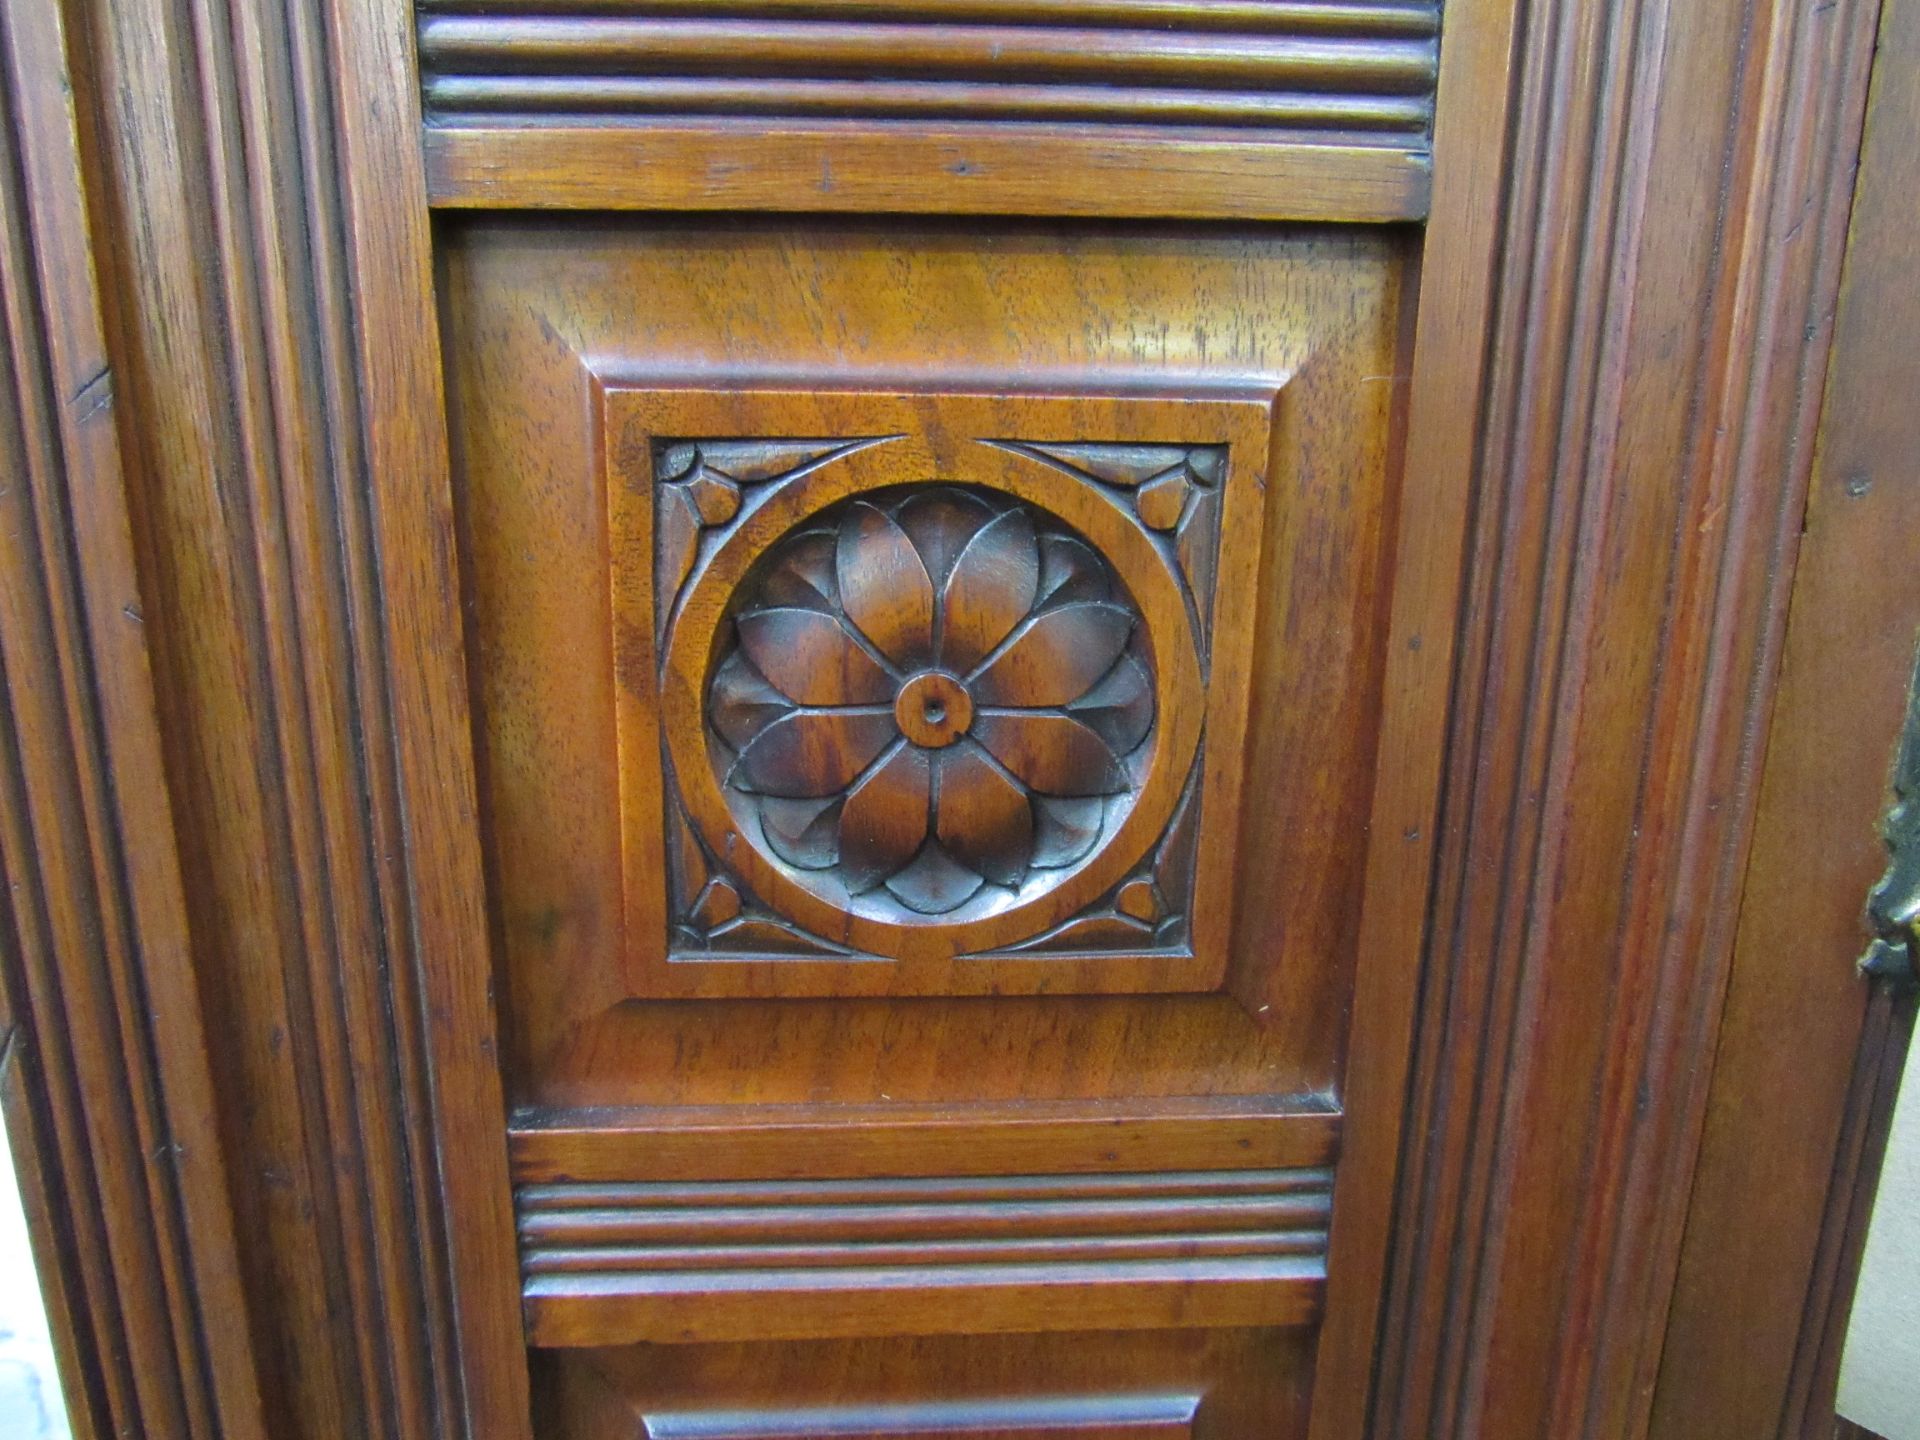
(990, 440)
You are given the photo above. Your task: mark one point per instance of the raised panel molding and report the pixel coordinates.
(927, 694)
(613, 1263)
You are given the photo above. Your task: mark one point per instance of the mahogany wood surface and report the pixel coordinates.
(757, 718)
(1300, 111)
(1776, 1213)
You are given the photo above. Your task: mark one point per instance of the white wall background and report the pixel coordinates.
(1880, 1370)
(30, 1407)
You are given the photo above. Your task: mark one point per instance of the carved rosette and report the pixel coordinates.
(931, 698)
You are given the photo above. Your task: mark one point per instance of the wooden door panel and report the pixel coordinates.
(1206, 1384)
(1280, 956)
(728, 493)
(535, 318)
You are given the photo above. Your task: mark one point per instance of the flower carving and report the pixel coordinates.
(932, 690)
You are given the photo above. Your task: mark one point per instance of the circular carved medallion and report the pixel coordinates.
(931, 705)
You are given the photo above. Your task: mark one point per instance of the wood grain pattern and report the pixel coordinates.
(727, 1142)
(106, 1081)
(1763, 1281)
(264, 249)
(612, 1263)
(1619, 650)
(1229, 1382)
(1436, 1071)
(1056, 804)
(520, 314)
(935, 168)
(1319, 108)
(1362, 78)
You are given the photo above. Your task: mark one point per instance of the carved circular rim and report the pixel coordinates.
(693, 648)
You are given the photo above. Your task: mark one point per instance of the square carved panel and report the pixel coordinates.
(931, 693)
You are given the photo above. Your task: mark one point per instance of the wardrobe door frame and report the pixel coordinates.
(1630, 203)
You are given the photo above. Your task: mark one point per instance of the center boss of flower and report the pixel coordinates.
(933, 709)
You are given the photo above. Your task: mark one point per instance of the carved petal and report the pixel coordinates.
(812, 752)
(1120, 707)
(1069, 570)
(811, 659)
(991, 588)
(941, 521)
(1064, 829)
(742, 702)
(804, 833)
(884, 586)
(934, 883)
(1056, 658)
(1055, 754)
(984, 819)
(803, 575)
(885, 818)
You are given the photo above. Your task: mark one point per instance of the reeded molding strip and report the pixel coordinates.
(1314, 109)
(1371, 70)
(735, 1260)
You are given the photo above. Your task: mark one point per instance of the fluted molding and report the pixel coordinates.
(1671, 231)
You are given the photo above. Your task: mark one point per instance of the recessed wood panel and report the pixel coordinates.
(919, 706)
(926, 685)
(545, 328)
(1220, 1384)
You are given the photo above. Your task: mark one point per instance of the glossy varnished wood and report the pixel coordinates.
(1788, 1151)
(1618, 653)
(848, 166)
(1300, 111)
(106, 1078)
(264, 251)
(1098, 437)
(1170, 1382)
(415, 726)
(547, 708)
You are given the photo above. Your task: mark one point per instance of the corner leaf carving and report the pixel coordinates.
(1150, 909)
(702, 485)
(1175, 491)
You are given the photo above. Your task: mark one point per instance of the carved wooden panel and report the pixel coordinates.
(1087, 1385)
(782, 540)
(1311, 109)
(933, 691)
(732, 1260)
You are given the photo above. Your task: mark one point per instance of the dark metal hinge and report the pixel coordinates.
(1893, 905)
